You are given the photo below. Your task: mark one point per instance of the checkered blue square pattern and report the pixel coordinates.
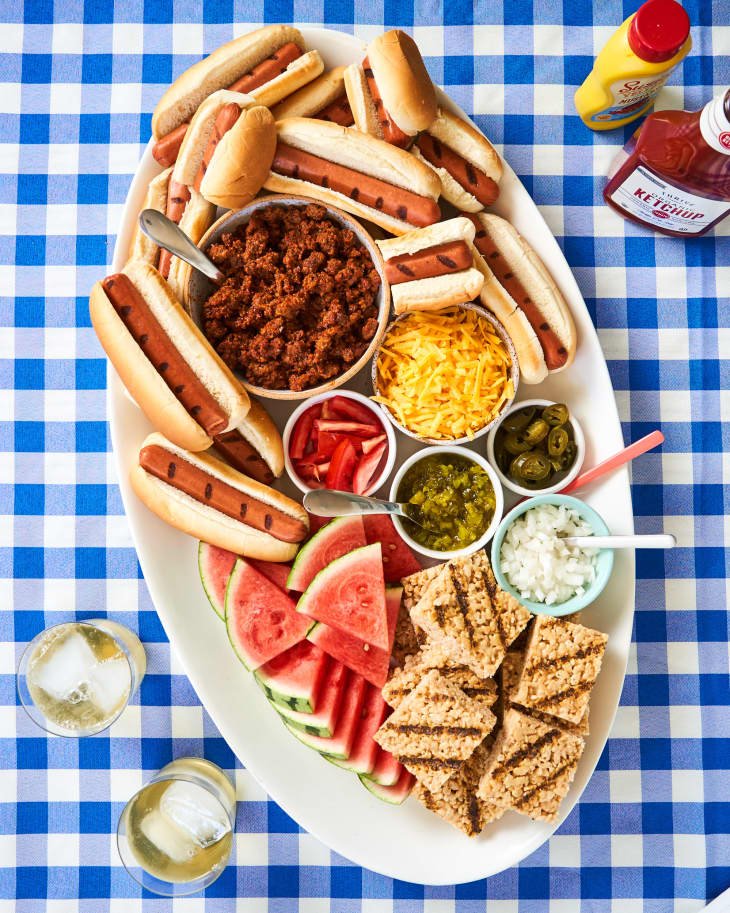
(79, 82)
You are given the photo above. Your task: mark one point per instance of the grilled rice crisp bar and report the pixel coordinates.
(562, 661)
(435, 729)
(466, 612)
(457, 801)
(432, 656)
(509, 674)
(408, 639)
(531, 766)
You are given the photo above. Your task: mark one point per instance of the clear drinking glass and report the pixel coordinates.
(75, 679)
(176, 834)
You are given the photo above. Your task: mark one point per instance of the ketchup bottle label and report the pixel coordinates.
(631, 94)
(650, 198)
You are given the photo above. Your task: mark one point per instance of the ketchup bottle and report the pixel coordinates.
(673, 175)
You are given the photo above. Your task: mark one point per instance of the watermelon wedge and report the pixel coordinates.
(294, 679)
(324, 719)
(316, 523)
(387, 768)
(337, 538)
(398, 560)
(395, 794)
(367, 660)
(349, 594)
(275, 572)
(340, 744)
(215, 566)
(365, 748)
(261, 621)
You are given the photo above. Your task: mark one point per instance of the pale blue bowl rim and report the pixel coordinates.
(604, 561)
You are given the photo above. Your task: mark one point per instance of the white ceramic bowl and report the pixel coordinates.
(348, 394)
(580, 443)
(488, 532)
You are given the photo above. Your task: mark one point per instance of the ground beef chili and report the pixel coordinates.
(298, 305)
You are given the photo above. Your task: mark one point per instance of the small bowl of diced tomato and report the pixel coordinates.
(340, 441)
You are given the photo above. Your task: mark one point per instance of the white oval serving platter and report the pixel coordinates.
(405, 842)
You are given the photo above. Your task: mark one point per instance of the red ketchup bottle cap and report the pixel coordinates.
(658, 30)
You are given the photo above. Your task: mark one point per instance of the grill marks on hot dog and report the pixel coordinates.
(208, 489)
(268, 69)
(555, 352)
(178, 196)
(226, 118)
(472, 179)
(439, 260)
(391, 131)
(166, 148)
(369, 191)
(160, 350)
(338, 111)
(243, 457)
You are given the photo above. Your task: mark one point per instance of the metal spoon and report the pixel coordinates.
(657, 540)
(323, 502)
(165, 233)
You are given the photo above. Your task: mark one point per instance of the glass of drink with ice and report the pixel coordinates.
(176, 834)
(76, 678)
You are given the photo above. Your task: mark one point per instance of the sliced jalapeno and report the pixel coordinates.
(519, 419)
(515, 443)
(556, 415)
(557, 441)
(536, 431)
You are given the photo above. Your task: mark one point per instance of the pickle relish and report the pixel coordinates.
(454, 498)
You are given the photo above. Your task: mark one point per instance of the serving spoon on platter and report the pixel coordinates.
(324, 502)
(166, 233)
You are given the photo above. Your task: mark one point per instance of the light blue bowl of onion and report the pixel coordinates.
(603, 565)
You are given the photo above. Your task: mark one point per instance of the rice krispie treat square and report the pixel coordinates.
(562, 661)
(466, 612)
(457, 801)
(531, 766)
(432, 656)
(435, 729)
(408, 639)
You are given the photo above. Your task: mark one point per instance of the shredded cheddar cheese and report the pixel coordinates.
(444, 374)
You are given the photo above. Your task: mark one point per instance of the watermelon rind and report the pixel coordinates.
(204, 550)
(396, 794)
(387, 769)
(301, 574)
(301, 700)
(323, 720)
(365, 749)
(336, 750)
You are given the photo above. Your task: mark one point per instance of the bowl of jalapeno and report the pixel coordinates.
(538, 446)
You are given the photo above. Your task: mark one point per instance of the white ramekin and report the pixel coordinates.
(349, 394)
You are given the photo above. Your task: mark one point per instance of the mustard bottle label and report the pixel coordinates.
(630, 95)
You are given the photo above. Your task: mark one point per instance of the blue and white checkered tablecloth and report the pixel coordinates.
(79, 82)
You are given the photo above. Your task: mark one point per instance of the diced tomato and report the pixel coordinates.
(351, 409)
(372, 443)
(327, 410)
(347, 428)
(303, 432)
(327, 442)
(366, 468)
(342, 467)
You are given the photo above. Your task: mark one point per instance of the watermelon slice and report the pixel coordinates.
(398, 560)
(349, 594)
(261, 621)
(337, 538)
(387, 768)
(315, 524)
(367, 660)
(395, 794)
(324, 719)
(275, 572)
(215, 566)
(294, 679)
(340, 745)
(365, 748)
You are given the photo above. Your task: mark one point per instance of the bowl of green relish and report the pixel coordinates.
(457, 496)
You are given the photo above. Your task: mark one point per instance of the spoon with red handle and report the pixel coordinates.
(613, 462)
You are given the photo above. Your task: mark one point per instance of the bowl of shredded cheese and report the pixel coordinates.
(445, 376)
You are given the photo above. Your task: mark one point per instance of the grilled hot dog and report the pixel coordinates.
(243, 456)
(166, 148)
(268, 69)
(440, 260)
(462, 171)
(324, 98)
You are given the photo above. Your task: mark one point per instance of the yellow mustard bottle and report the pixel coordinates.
(634, 65)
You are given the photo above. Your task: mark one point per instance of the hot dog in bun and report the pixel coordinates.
(201, 496)
(433, 267)
(254, 447)
(358, 173)
(168, 367)
(464, 159)
(390, 93)
(268, 64)
(523, 296)
(324, 98)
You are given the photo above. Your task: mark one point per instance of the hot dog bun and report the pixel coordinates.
(299, 72)
(473, 147)
(140, 377)
(405, 87)
(218, 71)
(551, 324)
(199, 215)
(432, 293)
(142, 247)
(204, 522)
(259, 430)
(312, 98)
(353, 149)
